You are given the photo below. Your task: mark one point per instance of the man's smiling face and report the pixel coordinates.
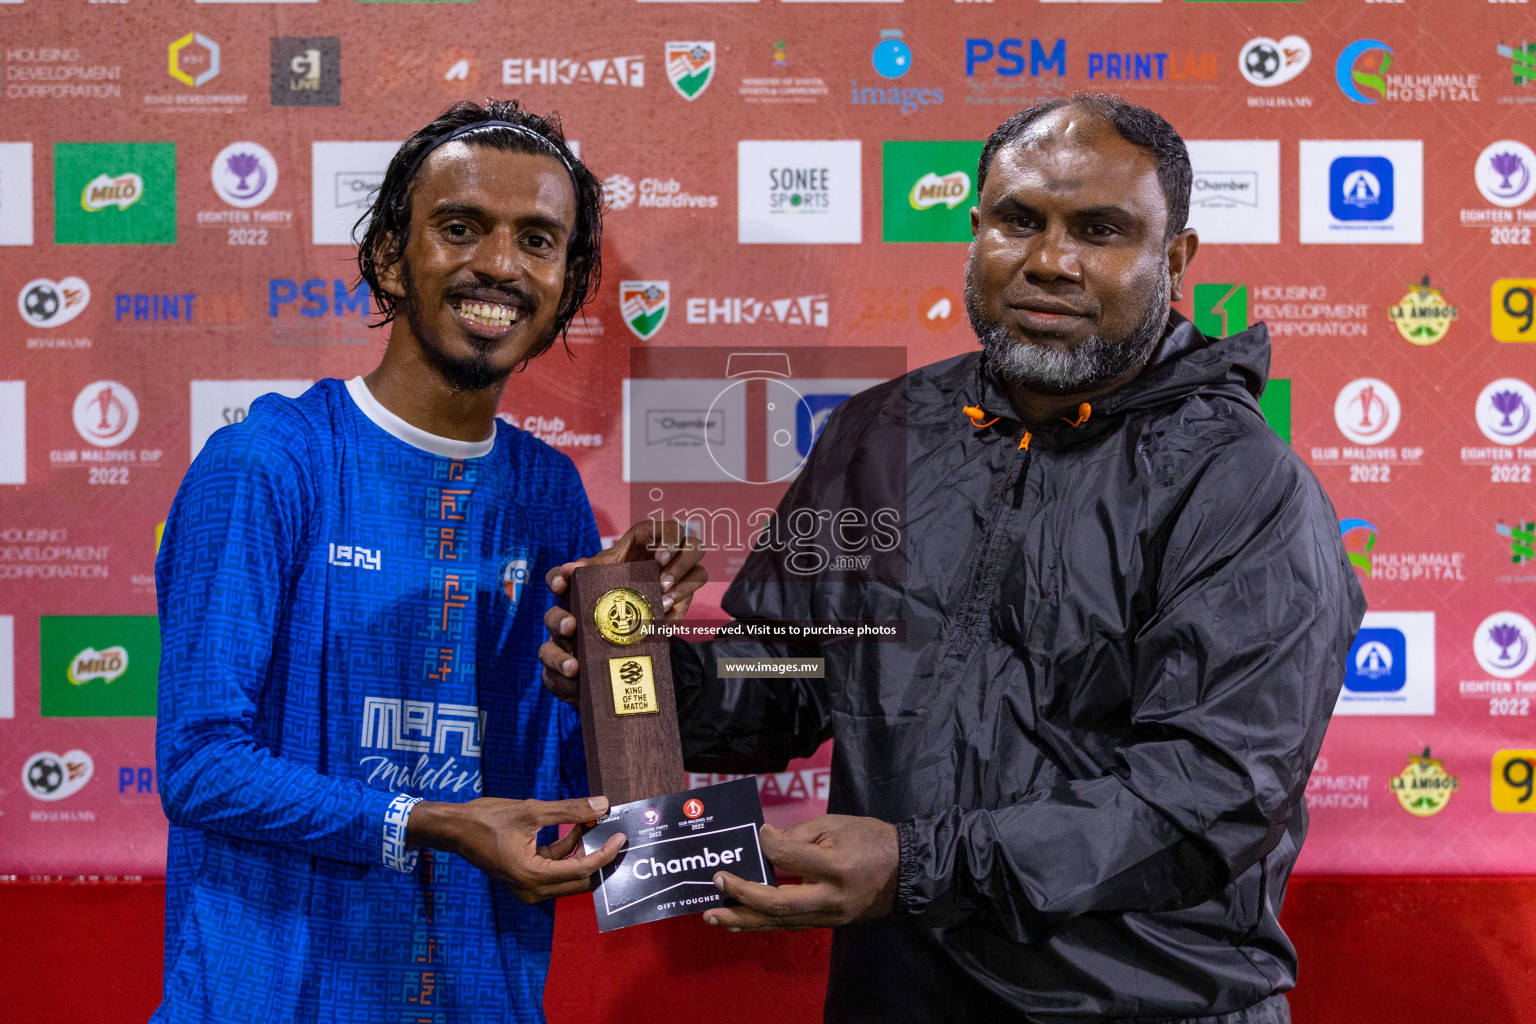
(480, 277)
(1069, 280)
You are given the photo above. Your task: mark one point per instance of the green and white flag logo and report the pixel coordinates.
(690, 67)
(643, 305)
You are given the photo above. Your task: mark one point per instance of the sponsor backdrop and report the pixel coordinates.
(179, 183)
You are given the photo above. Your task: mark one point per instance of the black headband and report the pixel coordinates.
(520, 129)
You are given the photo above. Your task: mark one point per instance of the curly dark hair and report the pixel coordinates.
(389, 216)
(1138, 125)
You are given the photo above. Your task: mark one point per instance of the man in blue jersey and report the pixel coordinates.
(355, 753)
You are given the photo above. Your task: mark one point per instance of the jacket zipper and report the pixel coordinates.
(975, 611)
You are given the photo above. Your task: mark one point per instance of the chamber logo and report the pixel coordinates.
(643, 304)
(1268, 62)
(1504, 173)
(1362, 70)
(108, 665)
(1504, 411)
(1367, 411)
(1505, 645)
(244, 174)
(690, 67)
(45, 303)
(1424, 787)
(102, 191)
(50, 776)
(1423, 316)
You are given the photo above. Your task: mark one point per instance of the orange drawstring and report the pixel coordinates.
(976, 412)
(1083, 412)
(1024, 441)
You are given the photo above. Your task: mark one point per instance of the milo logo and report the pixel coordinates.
(89, 664)
(101, 192)
(932, 190)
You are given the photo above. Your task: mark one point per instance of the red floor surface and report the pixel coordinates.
(1373, 951)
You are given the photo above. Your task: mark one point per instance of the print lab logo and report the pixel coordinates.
(1506, 411)
(927, 190)
(643, 305)
(1424, 787)
(1423, 316)
(1267, 62)
(1367, 411)
(1390, 669)
(244, 174)
(194, 59)
(1505, 645)
(690, 67)
(106, 413)
(799, 192)
(49, 776)
(605, 71)
(1235, 194)
(1362, 192)
(1505, 175)
(306, 71)
(45, 303)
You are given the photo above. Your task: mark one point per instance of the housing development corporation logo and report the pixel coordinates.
(46, 303)
(799, 191)
(643, 305)
(690, 67)
(1220, 309)
(1390, 669)
(1423, 316)
(1506, 411)
(927, 190)
(1267, 62)
(1424, 787)
(122, 192)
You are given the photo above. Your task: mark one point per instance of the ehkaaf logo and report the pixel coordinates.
(608, 71)
(306, 71)
(928, 190)
(45, 303)
(317, 297)
(800, 310)
(99, 666)
(118, 192)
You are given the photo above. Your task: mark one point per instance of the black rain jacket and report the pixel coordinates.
(1123, 644)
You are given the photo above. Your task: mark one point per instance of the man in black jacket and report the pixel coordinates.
(1075, 790)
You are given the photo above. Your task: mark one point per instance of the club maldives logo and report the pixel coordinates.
(1505, 645)
(106, 413)
(49, 776)
(928, 190)
(244, 174)
(1359, 536)
(1367, 411)
(1504, 173)
(1267, 62)
(1423, 316)
(643, 304)
(194, 59)
(1424, 787)
(1361, 70)
(46, 303)
(1505, 411)
(1521, 538)
(1522, 61)
(690, 67)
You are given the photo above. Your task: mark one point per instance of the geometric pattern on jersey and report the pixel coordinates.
(350, 622)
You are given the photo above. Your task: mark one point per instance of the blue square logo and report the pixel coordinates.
(1360, 188)
(811, 414)
(1378, 662)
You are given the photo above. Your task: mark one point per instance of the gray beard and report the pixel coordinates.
(1054, 370)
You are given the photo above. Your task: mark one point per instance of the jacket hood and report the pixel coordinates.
(1184, 362)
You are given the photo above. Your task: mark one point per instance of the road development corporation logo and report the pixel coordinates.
(1506, 411)
(117, 192)
(1390, 669)
(1424, 787)
(45, 303)
(927, 190)
(1267, 62)
(1361, 70)
(1235, 192)
(49, 776)
(643, 305)
(1362, 192)
(1506, 173)
(244, 174)
(1423, 316)
(690, 67)
(1367, 411)
(799, 191)
(1505, 645)
(194, 59)
(106, 413)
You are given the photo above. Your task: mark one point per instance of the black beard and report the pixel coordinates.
(1084, 367)
(473, 374)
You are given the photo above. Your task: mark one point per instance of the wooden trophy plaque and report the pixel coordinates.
(628, 710)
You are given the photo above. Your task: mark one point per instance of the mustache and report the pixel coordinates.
(506, 294)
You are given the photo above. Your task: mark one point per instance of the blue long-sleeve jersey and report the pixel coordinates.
(350, 611)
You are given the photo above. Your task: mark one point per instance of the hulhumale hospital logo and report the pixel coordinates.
(1362, 70)
(1505, 645)
(1359, 537)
